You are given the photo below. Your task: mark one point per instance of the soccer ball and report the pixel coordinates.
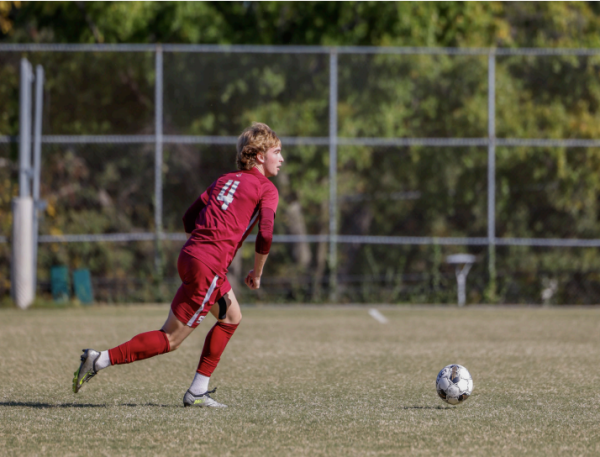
(454, 384)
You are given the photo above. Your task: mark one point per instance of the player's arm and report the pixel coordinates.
(262, 247)
(253, 278)
(190, 216)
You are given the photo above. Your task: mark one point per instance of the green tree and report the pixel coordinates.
(412, 191)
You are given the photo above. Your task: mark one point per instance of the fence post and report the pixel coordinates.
(25, 129)
(37, 164)
(22, 286)
(491, 292)
(333, 134)
(158, 160)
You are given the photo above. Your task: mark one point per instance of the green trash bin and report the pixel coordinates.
(82, 283)
(59, 283)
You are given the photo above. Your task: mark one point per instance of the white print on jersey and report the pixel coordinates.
(227, 199)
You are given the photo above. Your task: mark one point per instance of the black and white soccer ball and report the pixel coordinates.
(454, 384)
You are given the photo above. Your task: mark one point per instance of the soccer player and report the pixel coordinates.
(219, 221)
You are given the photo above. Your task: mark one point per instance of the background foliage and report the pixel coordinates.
(416, 191)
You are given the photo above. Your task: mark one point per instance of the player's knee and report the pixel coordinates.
(232, 318)
(174, 343)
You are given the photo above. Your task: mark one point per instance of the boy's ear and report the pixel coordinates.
(260, 157)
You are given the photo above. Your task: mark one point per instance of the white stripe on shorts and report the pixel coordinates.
(211, 289)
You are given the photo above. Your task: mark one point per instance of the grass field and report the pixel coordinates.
(308, 381)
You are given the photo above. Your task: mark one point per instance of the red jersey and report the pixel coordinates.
(232, 205)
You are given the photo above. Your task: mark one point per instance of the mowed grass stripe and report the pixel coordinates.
(308, 381)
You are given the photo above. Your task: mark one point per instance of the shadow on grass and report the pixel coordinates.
(27, 404)
(427, 407)
(77, 405)
(134, 405)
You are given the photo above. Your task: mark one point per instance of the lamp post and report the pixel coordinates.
(463, 263)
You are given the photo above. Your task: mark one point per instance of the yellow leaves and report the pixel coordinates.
(584, 122)
(50, 209)
(502, 31)
(5, 10)
(561, 163)
(6, 7)
(55, 231)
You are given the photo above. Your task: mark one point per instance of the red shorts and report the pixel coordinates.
(200, 290)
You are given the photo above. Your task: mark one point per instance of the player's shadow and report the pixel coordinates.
(37, 405)
(76, 405)
(427, 407)
(133, 405)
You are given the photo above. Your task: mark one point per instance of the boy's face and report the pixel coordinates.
(273, 161)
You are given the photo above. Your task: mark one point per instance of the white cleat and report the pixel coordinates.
(204, 400)
(87, 369)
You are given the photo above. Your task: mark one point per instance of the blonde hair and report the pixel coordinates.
(258, 138)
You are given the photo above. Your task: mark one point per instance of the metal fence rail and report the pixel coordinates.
(339, 239)
(313, 141)
(332, 141)
(263, 49)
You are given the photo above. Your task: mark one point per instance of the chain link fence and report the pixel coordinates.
(395, 158)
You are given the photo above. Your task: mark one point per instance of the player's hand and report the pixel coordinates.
(252, 281)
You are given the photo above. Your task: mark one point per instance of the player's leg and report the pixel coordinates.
(228, 316)
(228, 311)
(142, 346)
(150, 344)
(145, 345)
(175, 330)
(185, 315)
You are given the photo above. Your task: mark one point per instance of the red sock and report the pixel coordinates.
(214, 345)
(140, 347)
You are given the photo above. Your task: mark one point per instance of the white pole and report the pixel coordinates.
(22, 285)
(25, 129)
(461, 281)
(22, 252)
